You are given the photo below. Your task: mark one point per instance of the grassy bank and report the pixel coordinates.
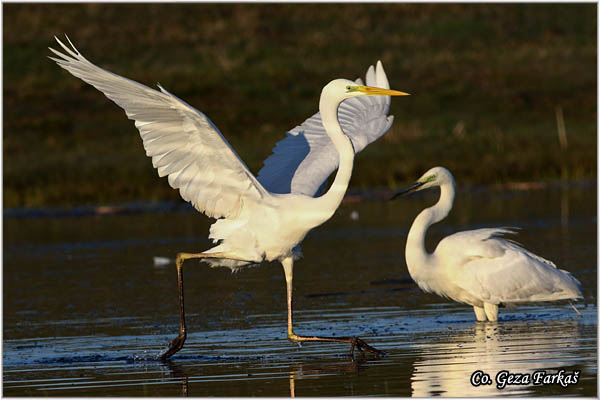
(485, 81)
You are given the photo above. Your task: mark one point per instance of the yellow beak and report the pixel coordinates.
(370, 90)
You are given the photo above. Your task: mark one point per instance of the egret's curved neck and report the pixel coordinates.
(330, 201)
(417, 257)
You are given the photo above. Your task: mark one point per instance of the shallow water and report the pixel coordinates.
(86, 309)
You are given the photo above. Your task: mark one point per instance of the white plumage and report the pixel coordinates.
(189, 149)
(182, 141)
(479, 267)
(302, 161)
(257, 221)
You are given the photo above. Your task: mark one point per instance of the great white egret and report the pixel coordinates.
(260, 219)
(479, 267)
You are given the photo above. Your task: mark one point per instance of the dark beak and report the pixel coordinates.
(408, 190)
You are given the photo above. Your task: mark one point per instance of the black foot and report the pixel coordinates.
(361, 345)
(174, 347)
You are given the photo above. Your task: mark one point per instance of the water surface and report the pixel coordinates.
(86, 309)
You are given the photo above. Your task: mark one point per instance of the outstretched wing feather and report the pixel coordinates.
(304, 159)
(183, 143)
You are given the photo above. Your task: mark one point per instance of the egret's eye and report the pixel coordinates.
(348, 88)
(431, 178)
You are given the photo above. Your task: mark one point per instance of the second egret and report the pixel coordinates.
(479, 267)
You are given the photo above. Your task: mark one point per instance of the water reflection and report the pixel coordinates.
(177, 372)
(310, 371)
(445, 369)
(86, 310)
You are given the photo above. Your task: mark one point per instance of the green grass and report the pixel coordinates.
(485, 81)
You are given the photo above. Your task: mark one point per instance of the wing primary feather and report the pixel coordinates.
(303, 160)
(167, 126)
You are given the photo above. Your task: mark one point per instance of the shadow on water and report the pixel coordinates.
(86, 309)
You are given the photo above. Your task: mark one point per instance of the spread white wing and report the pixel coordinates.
(183, 143)
(304, 159)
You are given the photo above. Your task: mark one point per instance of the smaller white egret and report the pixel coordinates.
(479, 267)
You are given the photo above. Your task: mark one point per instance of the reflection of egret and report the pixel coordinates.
(445, 365)
(301, 372)
(260, 219)
(177, 372)
(478, 267)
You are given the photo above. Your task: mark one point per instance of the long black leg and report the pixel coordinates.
(178, 342)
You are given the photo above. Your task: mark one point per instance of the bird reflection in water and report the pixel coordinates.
(300, 372)
(177, 372)
(445, 369)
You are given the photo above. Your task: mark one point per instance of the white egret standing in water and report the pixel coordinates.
(261, 219)
(479, 267)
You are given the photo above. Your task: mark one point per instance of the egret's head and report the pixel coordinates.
(344, 89)
(436, 176)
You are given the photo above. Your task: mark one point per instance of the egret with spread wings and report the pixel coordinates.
(479, 267)
(261, 219)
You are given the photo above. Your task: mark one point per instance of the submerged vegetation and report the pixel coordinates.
(488, 84)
